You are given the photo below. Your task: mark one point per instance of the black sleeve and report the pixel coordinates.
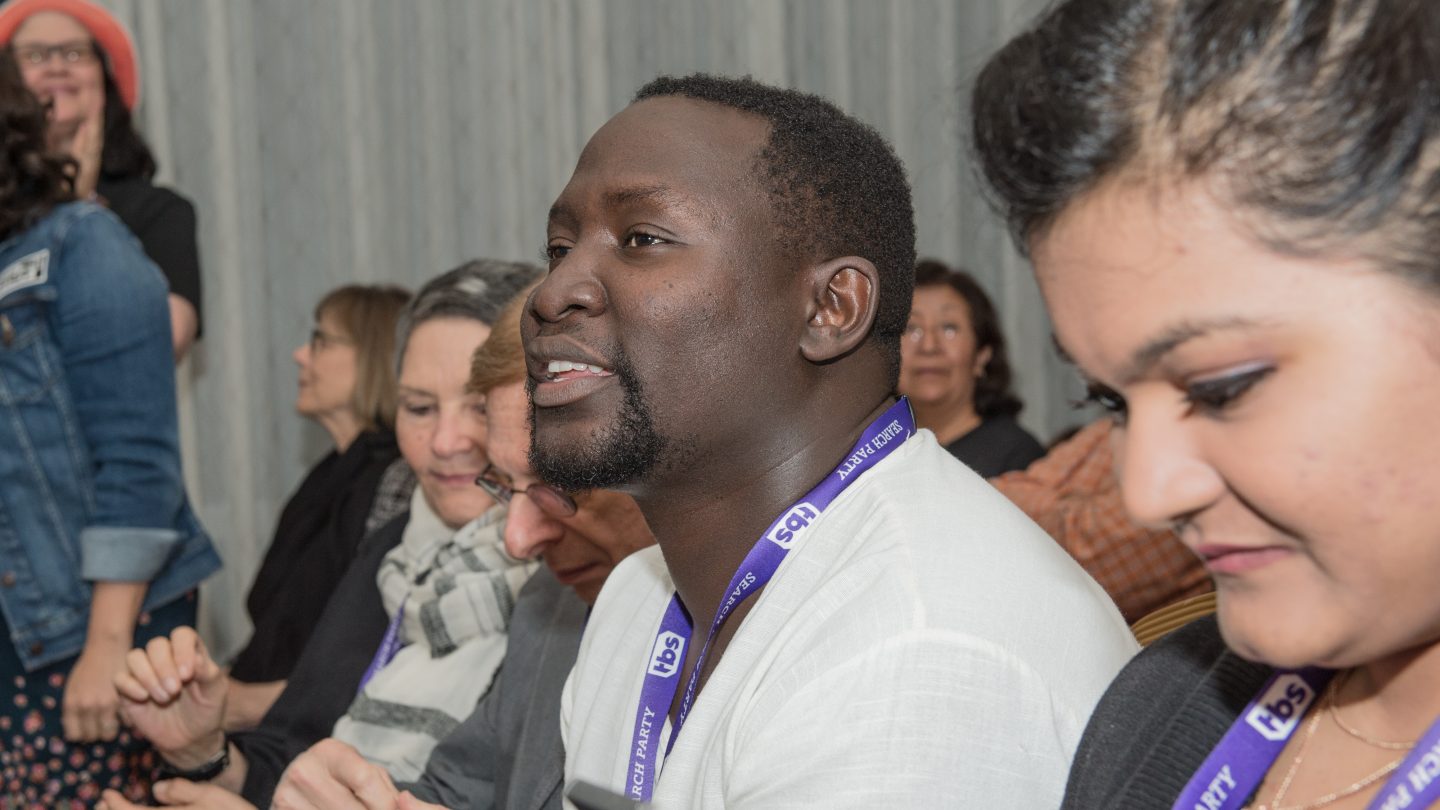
(165, 224)
(327, 676)
(1158, 721)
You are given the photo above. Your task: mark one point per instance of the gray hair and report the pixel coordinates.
(478, 290)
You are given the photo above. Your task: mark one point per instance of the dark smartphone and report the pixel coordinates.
(589, 797)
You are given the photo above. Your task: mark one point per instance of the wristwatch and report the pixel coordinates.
(212, 767)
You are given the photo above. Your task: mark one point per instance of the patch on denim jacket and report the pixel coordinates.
(27, 271)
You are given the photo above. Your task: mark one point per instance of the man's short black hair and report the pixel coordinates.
(836, 187)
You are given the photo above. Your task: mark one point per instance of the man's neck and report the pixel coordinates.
(707, 524)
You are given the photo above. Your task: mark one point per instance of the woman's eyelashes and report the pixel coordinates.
(1214, 395)
(1107, 398)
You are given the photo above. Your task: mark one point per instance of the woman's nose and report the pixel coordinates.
(455, 433)
(1163, 477)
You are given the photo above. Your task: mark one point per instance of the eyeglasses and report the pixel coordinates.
(550, 500)
(948, 333)
(321, 340)
(71, 53)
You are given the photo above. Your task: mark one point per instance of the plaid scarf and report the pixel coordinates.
(458, 589)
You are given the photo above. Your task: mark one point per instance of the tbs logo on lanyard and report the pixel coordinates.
(1281, 707)
(795, 521)
(667, 654)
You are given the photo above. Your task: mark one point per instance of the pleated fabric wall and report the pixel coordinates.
(332, 141)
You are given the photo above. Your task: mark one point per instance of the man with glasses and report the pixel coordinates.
(508, 753)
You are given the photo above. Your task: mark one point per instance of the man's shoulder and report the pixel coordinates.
(925, 498)
(639, 583)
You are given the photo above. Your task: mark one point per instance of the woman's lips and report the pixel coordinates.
(1240, 559)
(464, 479)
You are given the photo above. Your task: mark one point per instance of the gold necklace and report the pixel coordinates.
(1334, 796)
(1359, 735)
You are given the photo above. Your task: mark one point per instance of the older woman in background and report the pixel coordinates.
(347, 385)
(955, 371)
(80, 61)
(437, 576)
(1233, 209)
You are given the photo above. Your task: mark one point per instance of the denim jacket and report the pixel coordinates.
(90, 483)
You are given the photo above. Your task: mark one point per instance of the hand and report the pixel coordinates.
(173, 694)
(89, 708)
(334, 775)
(180, 793)
(87, 148)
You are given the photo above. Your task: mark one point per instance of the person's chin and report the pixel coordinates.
(1273, 631)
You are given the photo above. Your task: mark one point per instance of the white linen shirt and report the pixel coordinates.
(924, 644)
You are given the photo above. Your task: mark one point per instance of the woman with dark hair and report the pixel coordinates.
(1233, 210)
(955, 372)
(346, 385)
(99, 549)
(80, 61)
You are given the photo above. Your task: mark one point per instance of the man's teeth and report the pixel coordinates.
(562, 366)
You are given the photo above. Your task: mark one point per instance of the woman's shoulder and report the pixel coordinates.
(1160, 718)
(138, 201)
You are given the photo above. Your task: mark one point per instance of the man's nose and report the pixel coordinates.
(528, 529)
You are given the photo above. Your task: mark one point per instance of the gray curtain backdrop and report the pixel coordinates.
(333, 141)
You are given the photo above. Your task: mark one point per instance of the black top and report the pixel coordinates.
(164, 222)
(327, 676)
(1160, 719)
(998, 445)
(315, 542)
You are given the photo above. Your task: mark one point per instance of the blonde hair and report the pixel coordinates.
(500, 360)
(367, 315)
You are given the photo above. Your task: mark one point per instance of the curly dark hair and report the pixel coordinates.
(836, 187)
(1318, 118)
(993, 394)
(32, 179)
(125, 154)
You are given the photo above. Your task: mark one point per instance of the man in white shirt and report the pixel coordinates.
(730, 274)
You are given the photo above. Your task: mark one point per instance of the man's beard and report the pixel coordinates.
(616, 454)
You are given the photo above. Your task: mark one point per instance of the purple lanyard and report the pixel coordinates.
(880, 438)
(389, 646)
(1237, 766)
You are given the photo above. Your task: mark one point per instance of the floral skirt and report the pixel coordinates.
(38, 767)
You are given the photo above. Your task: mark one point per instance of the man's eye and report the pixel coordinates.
(639, 239)
(1213, 396)
(554, 252)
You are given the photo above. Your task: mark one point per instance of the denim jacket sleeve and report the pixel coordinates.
(113, 331)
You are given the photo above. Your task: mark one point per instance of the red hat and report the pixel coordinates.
(111, 34)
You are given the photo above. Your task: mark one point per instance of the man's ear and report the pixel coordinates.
(844, 294)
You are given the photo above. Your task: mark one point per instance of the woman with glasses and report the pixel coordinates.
(99, 548)
(416, 629)
(347, 386)
(954, 369)
(80, 61)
